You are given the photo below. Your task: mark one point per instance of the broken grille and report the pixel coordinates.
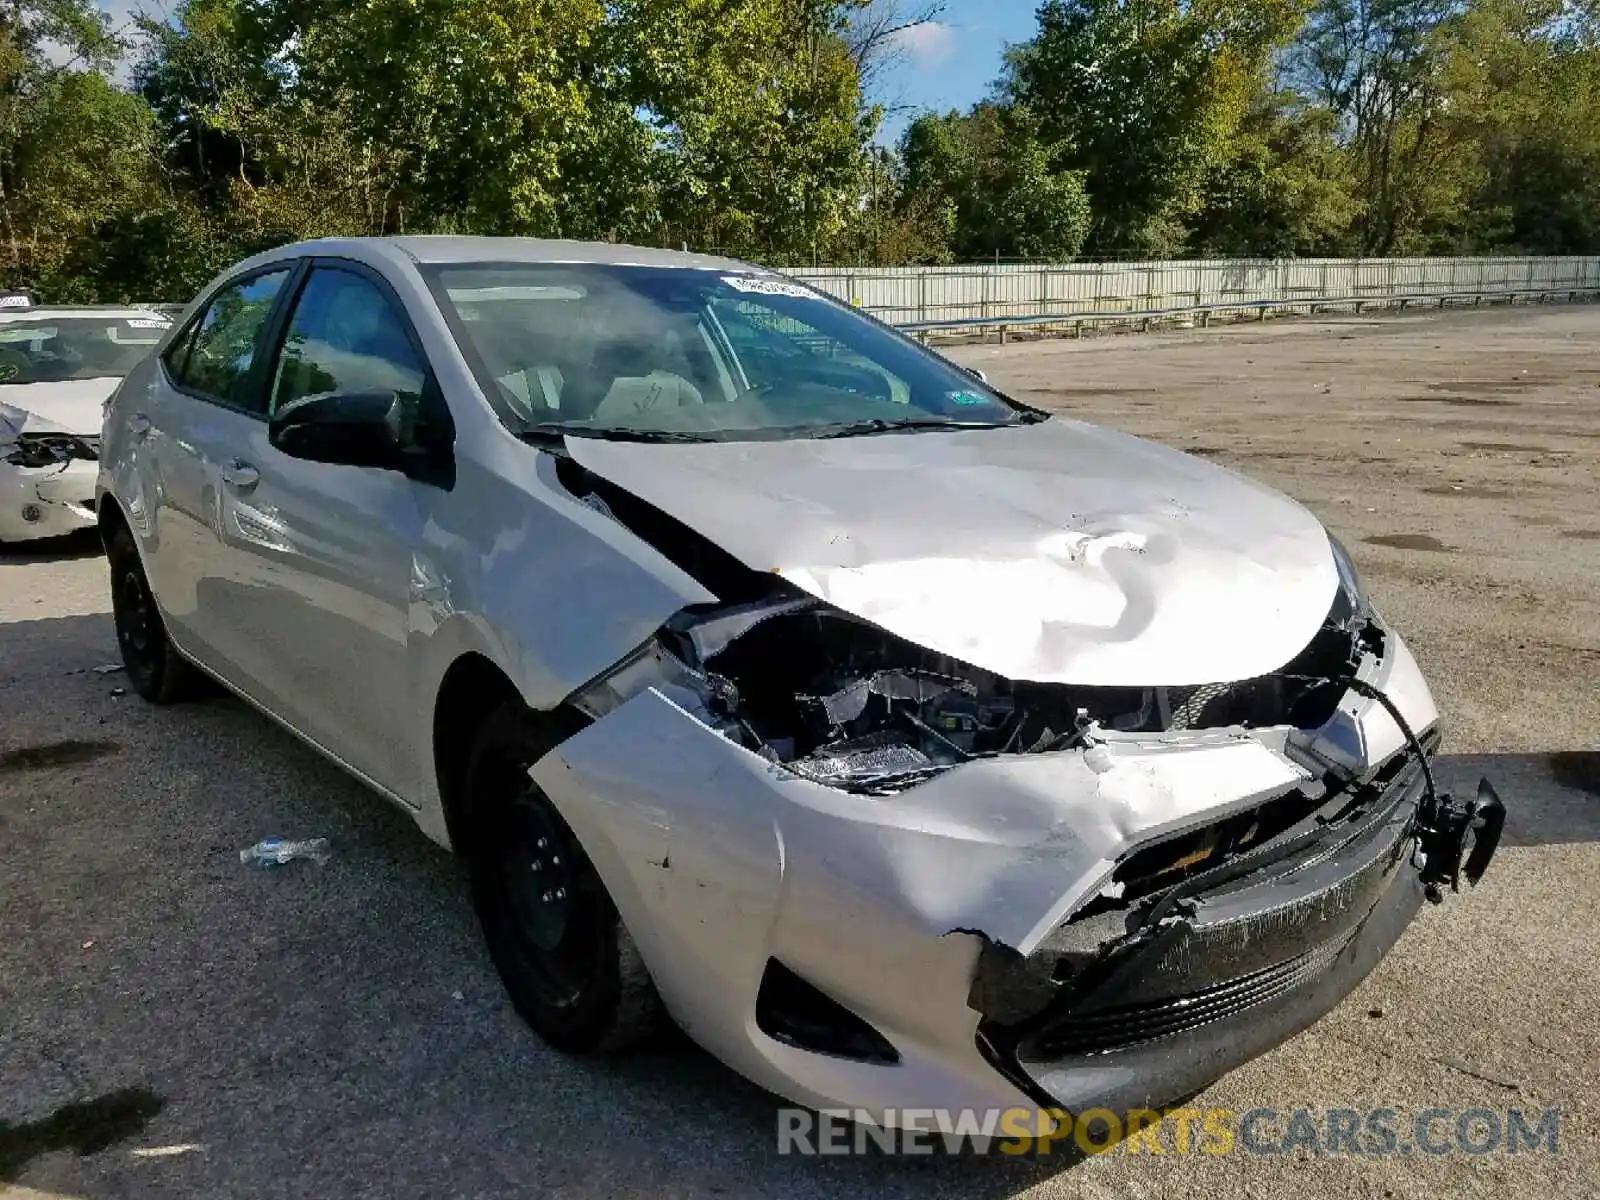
(1120, 1028)
(1188, 704)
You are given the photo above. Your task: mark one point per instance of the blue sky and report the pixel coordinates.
(950, 62)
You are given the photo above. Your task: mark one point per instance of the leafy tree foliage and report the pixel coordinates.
(996, 180)
(1144, 96)
(53, 95)
(135, 163)
(1284, 187)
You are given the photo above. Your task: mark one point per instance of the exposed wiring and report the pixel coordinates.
(1194, 883)
(1362, 688)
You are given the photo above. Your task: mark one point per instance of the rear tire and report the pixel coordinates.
(572, 970)
(154, 667)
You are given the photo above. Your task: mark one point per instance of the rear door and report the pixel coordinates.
(207, 400)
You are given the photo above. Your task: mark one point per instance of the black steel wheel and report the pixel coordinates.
(563, 953)
(155, 669)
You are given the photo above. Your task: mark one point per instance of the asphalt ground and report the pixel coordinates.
(172, 1023)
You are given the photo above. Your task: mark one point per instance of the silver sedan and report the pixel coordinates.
(910, 747)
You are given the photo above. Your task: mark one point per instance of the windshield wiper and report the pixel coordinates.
(556, 430)
(893, 425)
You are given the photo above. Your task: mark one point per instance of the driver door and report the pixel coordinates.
(328, 547)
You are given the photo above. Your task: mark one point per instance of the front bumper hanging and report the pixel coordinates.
(1458, 839)
(1212, 974)
(50, 501)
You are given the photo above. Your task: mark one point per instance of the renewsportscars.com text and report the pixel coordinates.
(1365, 1133)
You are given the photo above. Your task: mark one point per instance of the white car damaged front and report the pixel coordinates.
(58, 366)
(47, 467)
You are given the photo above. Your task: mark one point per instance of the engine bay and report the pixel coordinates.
(839, 701)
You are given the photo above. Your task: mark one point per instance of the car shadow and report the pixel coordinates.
(338, 1029)
(83, 544)
(1550, 799)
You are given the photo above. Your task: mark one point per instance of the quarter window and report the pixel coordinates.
(215, 360)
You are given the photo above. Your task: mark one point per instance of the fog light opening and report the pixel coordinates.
(792, 1011)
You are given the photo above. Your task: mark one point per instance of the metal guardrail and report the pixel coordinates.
(929, 299)
(1203, 312)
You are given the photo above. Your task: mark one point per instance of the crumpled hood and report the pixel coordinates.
(1058, 552)
(72, 406)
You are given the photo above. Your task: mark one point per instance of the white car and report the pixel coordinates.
(57, 367)
(914, 748)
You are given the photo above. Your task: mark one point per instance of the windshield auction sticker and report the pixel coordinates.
(769, 287)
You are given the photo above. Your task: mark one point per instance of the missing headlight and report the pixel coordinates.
(842, 702)
(37, 450)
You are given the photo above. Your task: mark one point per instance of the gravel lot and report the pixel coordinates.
(338, 1032)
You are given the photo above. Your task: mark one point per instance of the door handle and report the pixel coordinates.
(139, 425)
(240, 475)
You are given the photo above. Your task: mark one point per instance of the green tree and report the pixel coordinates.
(1522, 79)
(756, 111)
(1144, 96)
(77, 155)
(1377, 65)
(1285, 190)
(737, 122)
(996, 180)
(447, 114)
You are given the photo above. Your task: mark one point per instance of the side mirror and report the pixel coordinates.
(977, 374)
(354, 429)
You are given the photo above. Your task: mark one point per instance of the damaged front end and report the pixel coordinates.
(1099, 895)
(839, 701)
(1208, 949)
(47, 481)
(49, 449)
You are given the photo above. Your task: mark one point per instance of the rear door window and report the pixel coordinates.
(216, 359)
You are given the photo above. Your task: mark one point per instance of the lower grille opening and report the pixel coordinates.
(1232, 931)
(1160, 865)
(1130, 1025)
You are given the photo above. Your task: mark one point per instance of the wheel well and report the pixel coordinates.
(109, 519)
(473, 688)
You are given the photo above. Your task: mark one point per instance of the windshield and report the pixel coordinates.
(691, 354)
(55, 349)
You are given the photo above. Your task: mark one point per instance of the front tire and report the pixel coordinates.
(155, 668)
(572, 970)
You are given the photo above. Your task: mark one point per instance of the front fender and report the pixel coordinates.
(549, 590)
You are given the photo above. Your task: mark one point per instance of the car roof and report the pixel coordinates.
(451, 249)
(47, 312)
